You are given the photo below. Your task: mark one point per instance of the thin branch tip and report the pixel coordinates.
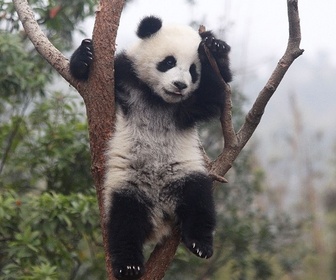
(218, 178)
(201, 29)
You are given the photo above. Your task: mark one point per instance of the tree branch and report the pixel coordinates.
(232, 149)
(99, 99)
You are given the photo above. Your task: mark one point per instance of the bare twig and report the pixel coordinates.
(230, 138)
(224, 162)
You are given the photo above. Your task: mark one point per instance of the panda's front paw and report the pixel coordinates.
(216, 46)
(87, 48)
(128, 272)
(81, 60)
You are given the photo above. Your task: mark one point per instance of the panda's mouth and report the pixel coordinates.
(173, 93)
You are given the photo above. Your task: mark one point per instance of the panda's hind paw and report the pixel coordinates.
(128, 272)
(201, 250)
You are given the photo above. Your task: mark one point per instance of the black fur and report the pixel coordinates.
(81, 60)
(129, 214)
(168, 63)
(149, 26)
(220, 50)
(193, 73)
(128, 220)
(197, 205)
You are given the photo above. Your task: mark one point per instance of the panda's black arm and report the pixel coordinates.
(220, 50)
(207, 102)
(124, 72)
(81, 60)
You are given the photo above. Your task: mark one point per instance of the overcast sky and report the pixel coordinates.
(262, 24)
(257, 31)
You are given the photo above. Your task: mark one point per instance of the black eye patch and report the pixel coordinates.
(193, 73)
(168, 63)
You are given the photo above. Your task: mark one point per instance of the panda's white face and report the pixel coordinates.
(168, 62)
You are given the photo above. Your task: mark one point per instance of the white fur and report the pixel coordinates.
(179, 41)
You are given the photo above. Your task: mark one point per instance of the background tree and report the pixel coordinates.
(101, 80)
(43, 150)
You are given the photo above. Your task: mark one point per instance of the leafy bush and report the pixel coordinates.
(51, 236)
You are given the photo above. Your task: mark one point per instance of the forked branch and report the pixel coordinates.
(235, 142)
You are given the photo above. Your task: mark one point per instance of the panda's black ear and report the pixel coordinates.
(149, 26)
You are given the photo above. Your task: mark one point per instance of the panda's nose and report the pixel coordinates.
(180, 85)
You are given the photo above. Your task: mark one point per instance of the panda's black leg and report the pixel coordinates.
(128, 228)
(196, 213)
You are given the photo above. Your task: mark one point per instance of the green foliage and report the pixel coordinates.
(20, 73)
(48, 209)
(53, 140)
(51, 236)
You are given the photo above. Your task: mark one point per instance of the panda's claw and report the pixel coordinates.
(128, 272)
(202, 249)
(217, 47)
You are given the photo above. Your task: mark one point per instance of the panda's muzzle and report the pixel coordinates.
(176, 89)
(180, 85)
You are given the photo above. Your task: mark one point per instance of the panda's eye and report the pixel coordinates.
(171, 61)
(193, 73)
(166, 64)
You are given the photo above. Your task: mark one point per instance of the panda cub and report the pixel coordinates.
(155, 174)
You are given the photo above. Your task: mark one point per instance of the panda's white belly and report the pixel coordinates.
(150, 159)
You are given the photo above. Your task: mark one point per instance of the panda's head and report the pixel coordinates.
(166, 59)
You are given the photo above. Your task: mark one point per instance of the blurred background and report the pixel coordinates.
(277, 215)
